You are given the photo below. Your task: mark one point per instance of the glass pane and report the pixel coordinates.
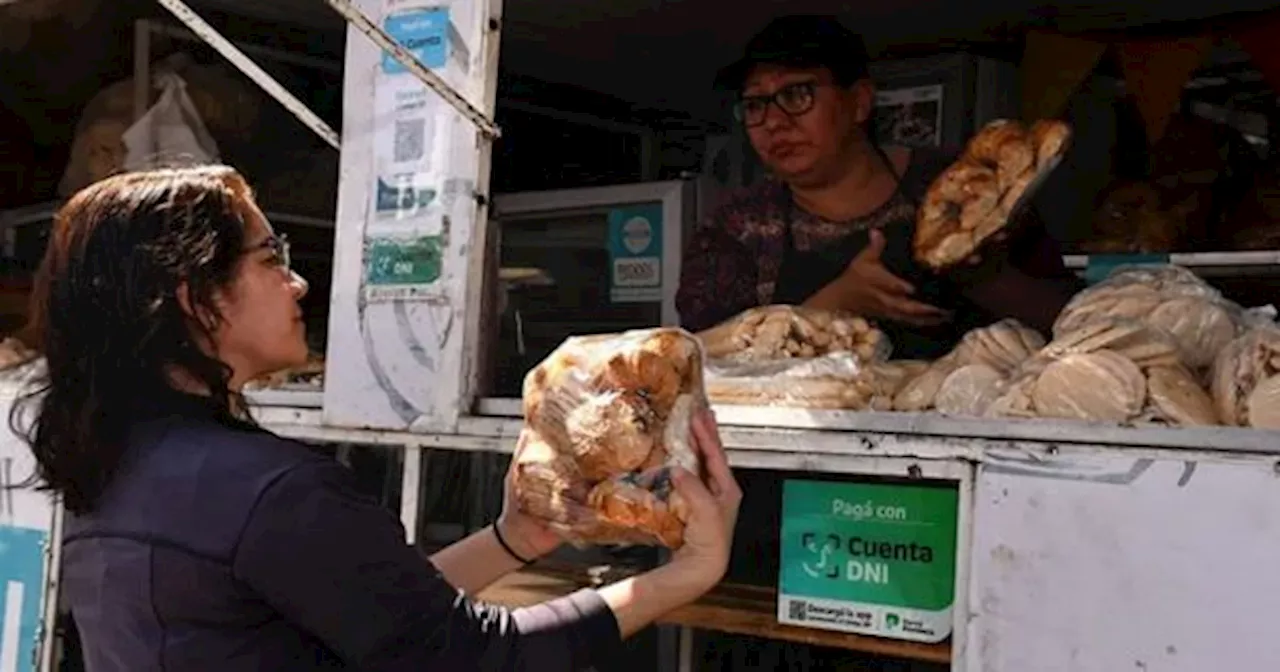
(554, 280)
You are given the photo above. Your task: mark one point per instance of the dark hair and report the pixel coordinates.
(106, 317)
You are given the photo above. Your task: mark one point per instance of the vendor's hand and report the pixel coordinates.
(868, 288)
(713, 507)
(528, 536)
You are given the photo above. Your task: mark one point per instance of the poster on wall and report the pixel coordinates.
(869, 558)
(415, 183)
(910, 117)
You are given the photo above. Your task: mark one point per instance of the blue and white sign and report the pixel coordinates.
(22, 553)
(635, 254)
(425, 32)
(26, 527)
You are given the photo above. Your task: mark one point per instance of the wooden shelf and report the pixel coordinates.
(734, 609)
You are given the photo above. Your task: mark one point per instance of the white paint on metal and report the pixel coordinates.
(251, 70)
(411, 492)
(1115, 563)
(357, 19)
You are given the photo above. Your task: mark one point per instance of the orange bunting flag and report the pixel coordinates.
(1155, 72)
(1053, 68)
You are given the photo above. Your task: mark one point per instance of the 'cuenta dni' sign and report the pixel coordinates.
(869, 558)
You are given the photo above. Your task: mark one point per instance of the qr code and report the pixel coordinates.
(797, 609)
(410, 140)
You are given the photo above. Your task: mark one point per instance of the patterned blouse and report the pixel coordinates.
(734, 256)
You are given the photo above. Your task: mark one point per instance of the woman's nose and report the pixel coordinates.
(298, 284)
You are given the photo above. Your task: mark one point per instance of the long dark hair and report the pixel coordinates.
(105, 315)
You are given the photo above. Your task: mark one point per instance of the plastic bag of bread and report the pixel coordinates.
(1000, 347)
(838, 380)
(305, 376)
(14, 353)
(1170, 299)
(1118, 372)
(606, 418)
(1245, 379)
(784, 332)
(976, 197)
(1131, 218)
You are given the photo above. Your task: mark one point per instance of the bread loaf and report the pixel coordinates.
(785, 332)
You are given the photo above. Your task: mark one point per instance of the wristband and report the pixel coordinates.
(497, 533)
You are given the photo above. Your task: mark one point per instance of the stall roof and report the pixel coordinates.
(662, 53)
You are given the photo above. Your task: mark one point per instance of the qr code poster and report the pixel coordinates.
(409, 154)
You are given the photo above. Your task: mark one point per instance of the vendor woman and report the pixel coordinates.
(832, 227)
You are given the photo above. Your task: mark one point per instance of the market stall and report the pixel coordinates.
(1093, 499)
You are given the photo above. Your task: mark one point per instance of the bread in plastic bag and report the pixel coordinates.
(785, 332)
(839, 380)
(1167, 298)
(1243, 379)
(970, 390)
(606, 418)
(1116, 371)
(1001, 347)
(975, 198)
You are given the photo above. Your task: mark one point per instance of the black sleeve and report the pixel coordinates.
(335, 563)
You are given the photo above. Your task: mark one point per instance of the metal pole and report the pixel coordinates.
(408, 60)
(251, 70)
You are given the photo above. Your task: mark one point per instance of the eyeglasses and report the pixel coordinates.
(793, 99)
(278, 244)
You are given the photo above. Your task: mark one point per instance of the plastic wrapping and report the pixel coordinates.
(778, 332)
(14, 353)
(1117, 371)
(838, 380)
(606, 418)
(1166, 298)
(1245, 379)
(1130, 218)
(976, 197)
(308, 376)
(801, 357)
(997, 348)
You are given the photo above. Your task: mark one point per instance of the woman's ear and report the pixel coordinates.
(197, 314)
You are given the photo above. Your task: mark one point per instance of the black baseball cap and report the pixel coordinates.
(803, 41)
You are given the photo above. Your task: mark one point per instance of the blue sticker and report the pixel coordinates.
(1101, 265)
(22, 568)
(635, 253)
(424, 32)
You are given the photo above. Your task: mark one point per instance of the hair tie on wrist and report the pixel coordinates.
(497, 533)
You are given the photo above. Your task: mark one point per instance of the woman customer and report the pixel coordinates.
(197, 541)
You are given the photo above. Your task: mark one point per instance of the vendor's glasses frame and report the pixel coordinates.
(793, 99)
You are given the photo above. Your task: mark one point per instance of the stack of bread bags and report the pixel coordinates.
(801, 357)
(1134, 349)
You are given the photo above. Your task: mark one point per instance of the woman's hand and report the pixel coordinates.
(713, 508)
(869, 289)
(528, 536)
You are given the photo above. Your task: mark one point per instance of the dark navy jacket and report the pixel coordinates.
(225, 548)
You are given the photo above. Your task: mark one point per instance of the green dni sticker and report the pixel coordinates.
(869, 558)
(403, 261)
